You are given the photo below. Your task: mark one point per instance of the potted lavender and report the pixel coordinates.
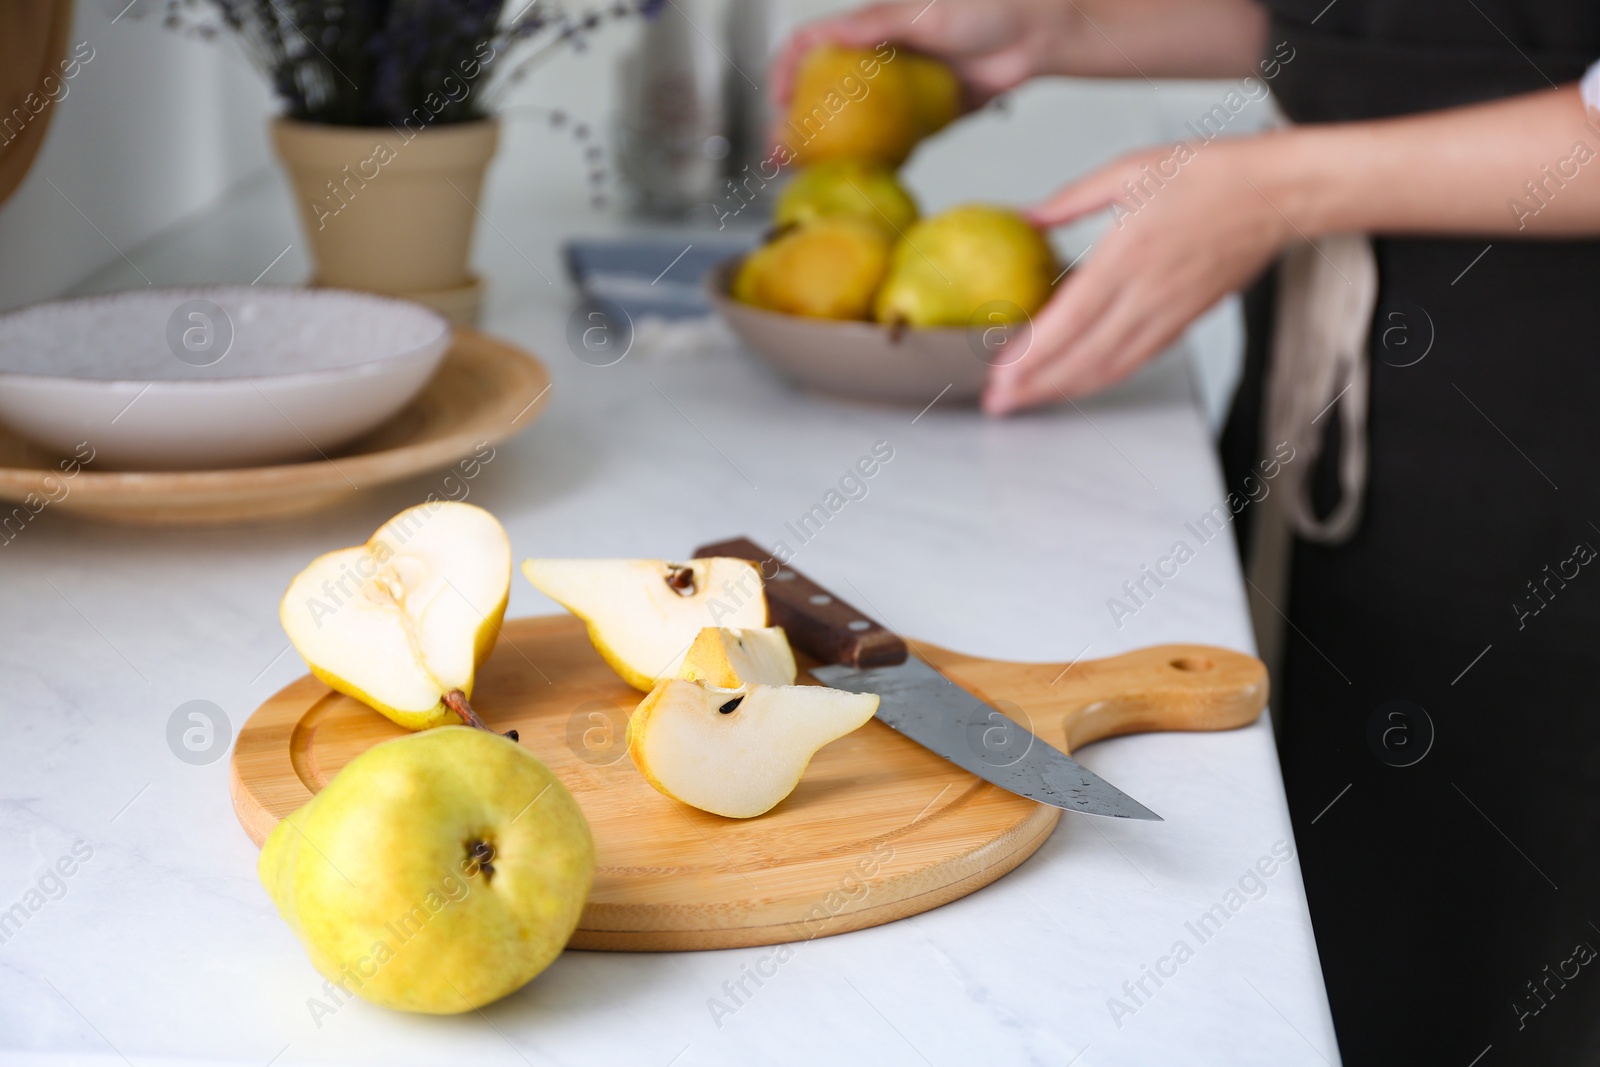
(387, 123)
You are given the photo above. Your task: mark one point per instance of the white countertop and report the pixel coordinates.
(164, 947)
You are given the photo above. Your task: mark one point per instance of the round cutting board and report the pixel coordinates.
(878, 829)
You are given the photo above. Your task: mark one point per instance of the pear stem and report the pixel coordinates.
(456, 701)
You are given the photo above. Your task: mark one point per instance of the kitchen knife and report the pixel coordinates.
(917, 701)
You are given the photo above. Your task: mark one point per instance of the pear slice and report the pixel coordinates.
(402, 622)
(727, 658)
(643, 614)
(737, 753)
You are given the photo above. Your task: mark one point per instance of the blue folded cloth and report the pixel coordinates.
(650, 275)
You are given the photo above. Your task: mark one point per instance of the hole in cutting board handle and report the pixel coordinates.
(1192, 663)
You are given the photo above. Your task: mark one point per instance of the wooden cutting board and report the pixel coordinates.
(879, 828)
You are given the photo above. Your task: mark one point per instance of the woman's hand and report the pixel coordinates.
(1186, 234)
(1197, 230)
(993, 45)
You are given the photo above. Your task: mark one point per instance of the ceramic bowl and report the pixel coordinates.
(199, 379)
(863, 360)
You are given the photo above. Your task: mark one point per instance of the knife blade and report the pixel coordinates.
(918, 702)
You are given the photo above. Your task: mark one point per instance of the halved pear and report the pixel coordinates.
(402, 622)
(725, 657)
(643, 614)
(737, 753)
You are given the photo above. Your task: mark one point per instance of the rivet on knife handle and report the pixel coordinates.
(817, 622)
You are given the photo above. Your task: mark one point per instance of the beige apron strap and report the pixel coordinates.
(1318, 367)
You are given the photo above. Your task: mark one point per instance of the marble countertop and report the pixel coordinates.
(161, 946)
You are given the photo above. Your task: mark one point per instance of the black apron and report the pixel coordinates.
(1455, 885)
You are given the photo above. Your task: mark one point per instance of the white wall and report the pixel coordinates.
(153, 128)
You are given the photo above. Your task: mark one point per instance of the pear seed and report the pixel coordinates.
(727, 709)
(681, 579)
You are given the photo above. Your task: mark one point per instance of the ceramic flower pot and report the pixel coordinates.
(391, 209)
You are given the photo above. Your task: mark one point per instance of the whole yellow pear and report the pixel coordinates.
(853, 103)
(828, 270)
(948, 266)
(437, 872)
(853, 188)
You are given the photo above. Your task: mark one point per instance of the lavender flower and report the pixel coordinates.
(382, 62)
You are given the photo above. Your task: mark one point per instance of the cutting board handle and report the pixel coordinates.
(1164, 687)
(818, 623)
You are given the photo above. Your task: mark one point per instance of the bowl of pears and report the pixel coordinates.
(853, 292)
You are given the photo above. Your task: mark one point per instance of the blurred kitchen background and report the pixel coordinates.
(157, 168)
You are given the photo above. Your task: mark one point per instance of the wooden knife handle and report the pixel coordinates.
(817, 622)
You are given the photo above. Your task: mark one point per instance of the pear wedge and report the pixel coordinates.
(643, 614)
(402, 622)
(727, 658)
(737, 753)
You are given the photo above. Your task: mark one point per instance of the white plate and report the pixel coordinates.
(198, 379)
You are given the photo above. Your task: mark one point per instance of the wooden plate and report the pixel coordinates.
(486, 390)
(878, 829)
